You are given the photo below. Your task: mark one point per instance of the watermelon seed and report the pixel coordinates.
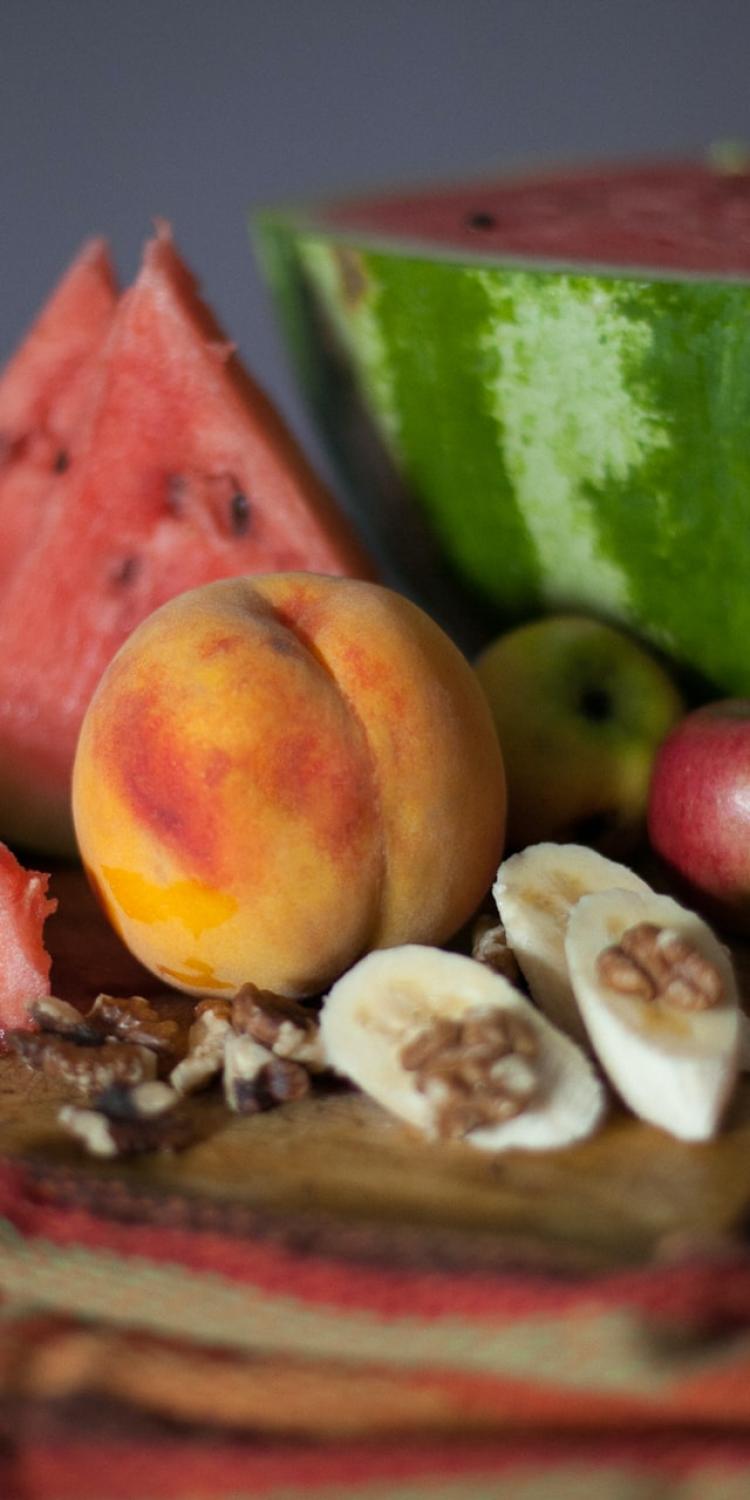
(125, 571)
(239, 513)
(176, 493)
(62, 461)
(481, 220)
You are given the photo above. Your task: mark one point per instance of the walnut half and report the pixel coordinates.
(657, 963)
(478, 1070)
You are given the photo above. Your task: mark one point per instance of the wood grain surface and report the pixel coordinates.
(340, 1167)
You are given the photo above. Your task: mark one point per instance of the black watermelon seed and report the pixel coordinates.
(176, 485)
(125, 571)
(481, 220)
(62, 461)
(239, 513)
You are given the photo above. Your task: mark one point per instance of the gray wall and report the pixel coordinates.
(113, 112)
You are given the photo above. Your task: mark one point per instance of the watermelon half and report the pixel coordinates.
(543, 386)
(178, 471)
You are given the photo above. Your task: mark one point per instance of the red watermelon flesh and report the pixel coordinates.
(185, 473)
(682, 216)
(24, 961)
(42, 392)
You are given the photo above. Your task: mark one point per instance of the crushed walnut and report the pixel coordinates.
(242, 1037)
(134, 1020)
(656, 963)
(205, 1055)
(256, 1080)
(478, 1070)
(85, 1069)
(284, 1026)
(110, 1017)
(489, 946)
(128, 1121)
(117, 1041)
(64, 1020)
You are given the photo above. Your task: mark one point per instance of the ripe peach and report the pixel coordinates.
(278, 774)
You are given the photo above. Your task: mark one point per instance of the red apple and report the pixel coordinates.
(699, 809)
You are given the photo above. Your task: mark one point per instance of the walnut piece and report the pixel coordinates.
(656, 963)
(215, 1008)
(110, 1017)
(125, 1121)
(133, 1020)
(141, 1101)
(57, 1016)
(478, 1070)
(490, 946)
(281, 1025)
(205, 1055)
(256, 1080)
(87, 1070)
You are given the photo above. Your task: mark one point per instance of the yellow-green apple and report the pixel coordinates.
(580, 708)
(278, 774)
(699, 809)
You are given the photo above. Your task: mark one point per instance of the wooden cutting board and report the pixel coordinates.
(338, 1170)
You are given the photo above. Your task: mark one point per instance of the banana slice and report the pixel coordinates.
(535, 892)
(451, 1047)
(658, 995)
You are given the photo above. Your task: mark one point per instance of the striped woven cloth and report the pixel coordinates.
(147, 1353)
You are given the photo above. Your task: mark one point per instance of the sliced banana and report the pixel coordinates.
(535, 892)
(658, 995)
(454, 1049)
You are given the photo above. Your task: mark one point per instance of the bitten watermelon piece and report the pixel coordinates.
(550, 377)
(43, 391)
(24, 961)
(184, 473)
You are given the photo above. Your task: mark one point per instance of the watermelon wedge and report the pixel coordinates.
(24, 961)
(42, 393)
(549, 378)
(183, 473)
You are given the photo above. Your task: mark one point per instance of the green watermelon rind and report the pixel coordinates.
(572, 438)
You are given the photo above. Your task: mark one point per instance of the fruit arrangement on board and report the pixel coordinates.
(297, 801)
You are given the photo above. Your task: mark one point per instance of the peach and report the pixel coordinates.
(278, 774)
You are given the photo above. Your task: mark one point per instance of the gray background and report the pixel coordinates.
(111, 113)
